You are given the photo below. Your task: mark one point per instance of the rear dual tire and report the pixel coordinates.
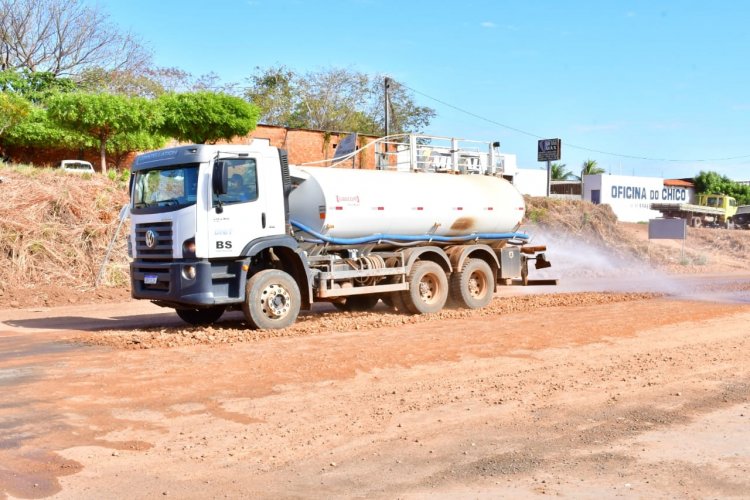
(473, 286)
(428, 289)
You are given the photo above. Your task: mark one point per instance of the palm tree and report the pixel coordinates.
(558, 172)
(590, 167)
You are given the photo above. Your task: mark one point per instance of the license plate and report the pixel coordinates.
(150, 279)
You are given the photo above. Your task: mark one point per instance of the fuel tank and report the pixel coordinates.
(351, 203)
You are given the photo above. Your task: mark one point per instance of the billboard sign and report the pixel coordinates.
(549, 150)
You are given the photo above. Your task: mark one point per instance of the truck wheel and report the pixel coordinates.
(355, 303)
(272, 300)
(428, 288)
(473, 286)
(204, 316)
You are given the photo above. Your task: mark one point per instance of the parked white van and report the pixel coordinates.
(77, 166)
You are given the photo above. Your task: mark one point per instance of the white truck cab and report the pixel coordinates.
(200, 214)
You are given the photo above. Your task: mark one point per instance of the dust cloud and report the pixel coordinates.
(582, 265)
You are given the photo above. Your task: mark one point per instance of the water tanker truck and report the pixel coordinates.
(217, 228)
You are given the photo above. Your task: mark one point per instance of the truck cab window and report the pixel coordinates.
(165, 189)
(242, 186)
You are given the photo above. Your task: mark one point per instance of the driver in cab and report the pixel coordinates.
(238, 190)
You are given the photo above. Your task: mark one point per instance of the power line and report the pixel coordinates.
(568, 145)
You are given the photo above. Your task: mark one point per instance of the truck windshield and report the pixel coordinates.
(165, 188)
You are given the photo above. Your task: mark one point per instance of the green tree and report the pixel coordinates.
(273, 91)
(559, 173)
(38, 131)
(103, 116)
(405, 115)
(715, 183)
(34, 129)
(206, 117)
(120, 145)
(333, 99)
(13, 110)
(330, 99)
(711, 183)
(36, 87)
(590, 167)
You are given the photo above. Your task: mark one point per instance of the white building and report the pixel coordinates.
(631, 197)
(530, 181)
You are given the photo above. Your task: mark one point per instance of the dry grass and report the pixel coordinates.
(55, 229)
(589, 223)
(595, 226)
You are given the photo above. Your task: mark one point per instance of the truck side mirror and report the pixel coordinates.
(220, 179)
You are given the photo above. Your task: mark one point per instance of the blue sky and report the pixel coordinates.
(617, 81)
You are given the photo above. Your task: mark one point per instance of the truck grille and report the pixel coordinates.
(151, 278)
(159, 235)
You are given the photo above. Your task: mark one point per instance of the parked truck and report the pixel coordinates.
(229, 227)
(711, 210)
(741, 219)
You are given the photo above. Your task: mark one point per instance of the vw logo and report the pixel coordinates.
(151, 238)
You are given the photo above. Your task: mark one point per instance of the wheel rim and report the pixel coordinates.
(429, 289)
(477, 284)
(276, 301)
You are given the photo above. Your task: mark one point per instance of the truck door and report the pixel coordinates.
(238, 216)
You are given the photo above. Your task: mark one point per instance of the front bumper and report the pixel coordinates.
(215, 283)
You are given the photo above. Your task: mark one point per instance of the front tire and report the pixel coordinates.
(272, 300)
(204, 316)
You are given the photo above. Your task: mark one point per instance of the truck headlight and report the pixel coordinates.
(188, 272)
(188, 248)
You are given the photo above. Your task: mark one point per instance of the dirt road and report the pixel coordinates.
(577, 394)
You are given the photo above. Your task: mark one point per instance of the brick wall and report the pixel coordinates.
(312, 145)
(302, 145)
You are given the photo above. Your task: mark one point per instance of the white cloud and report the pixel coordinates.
(488, 24)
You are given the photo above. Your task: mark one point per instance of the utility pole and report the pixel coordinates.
(387, 100)
(549, 177)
